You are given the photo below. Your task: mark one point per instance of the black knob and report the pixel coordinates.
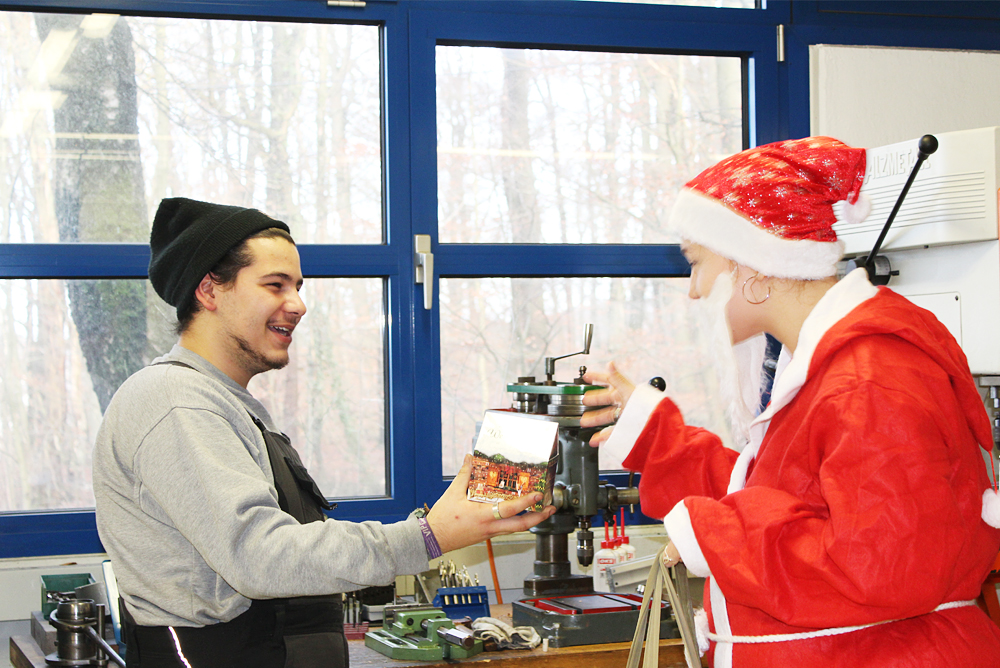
(658, 383)
(928, 144)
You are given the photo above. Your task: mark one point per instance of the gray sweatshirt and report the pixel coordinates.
(188, 512)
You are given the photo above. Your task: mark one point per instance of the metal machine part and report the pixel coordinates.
(80, 640)
(550, 362)
(578, 493)
(561, 605)
(588, 619)
(992, 383)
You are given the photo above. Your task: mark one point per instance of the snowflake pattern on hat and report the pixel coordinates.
(773, 207)
(788, 188)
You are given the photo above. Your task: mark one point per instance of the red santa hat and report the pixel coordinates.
(772, 208)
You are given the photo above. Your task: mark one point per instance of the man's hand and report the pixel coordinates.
(458, 522)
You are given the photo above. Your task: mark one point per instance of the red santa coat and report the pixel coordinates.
(861, 503)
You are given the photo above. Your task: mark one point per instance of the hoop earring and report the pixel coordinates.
(750, 301)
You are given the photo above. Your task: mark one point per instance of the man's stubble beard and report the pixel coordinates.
(253, 362)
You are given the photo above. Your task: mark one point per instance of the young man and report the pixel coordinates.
(215, 529)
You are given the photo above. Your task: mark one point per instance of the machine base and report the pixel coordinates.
(588, 620)
(545, 587)
(413, 647)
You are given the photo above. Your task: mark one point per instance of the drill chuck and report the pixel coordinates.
(585, 548)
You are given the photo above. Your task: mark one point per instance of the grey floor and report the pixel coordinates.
(8, 629)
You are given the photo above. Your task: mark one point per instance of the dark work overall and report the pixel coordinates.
(303, 632)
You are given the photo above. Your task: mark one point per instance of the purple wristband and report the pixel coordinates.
(430, 542)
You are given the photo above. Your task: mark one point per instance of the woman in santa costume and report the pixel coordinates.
(858, 522)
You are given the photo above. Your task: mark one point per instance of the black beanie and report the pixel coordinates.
(190, 237)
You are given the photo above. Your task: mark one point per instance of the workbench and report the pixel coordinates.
(25, 653)
(612, 655)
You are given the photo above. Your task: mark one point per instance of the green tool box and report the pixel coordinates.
(63, 583)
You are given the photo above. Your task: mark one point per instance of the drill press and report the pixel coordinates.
(563, 606)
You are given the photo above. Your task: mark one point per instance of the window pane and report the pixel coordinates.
(102, 116)
(330, 399)
(539, 146)
(496, 329)
(734, 4)
(66, 346)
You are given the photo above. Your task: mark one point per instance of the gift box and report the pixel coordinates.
(515, 454)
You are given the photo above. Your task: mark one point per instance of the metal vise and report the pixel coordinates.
(423, 633)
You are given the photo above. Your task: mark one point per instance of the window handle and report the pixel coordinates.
(425, 267)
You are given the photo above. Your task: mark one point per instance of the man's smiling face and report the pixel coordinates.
(261, 308)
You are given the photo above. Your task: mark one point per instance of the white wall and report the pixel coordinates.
(21, 584)
(872, 96)
(20, 579)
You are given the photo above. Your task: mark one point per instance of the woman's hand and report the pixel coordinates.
(458, 522)
(614, 396)
(671, 557)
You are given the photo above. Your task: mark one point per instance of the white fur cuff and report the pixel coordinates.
(991, 508)
(701, 630)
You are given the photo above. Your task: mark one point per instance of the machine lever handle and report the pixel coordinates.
(550, 362)
(927, 145)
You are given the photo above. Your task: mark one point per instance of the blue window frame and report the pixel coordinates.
(584, 26)
(776, 104)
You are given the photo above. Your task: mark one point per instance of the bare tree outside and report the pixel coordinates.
(548, 146)
(102, 117)
(97, 184)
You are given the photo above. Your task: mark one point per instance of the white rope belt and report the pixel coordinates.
(784, 637)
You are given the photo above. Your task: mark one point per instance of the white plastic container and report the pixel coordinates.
(605, 557)
(629, 550)
(619, 549)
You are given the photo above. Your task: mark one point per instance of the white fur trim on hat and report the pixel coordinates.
(991, 508)
(709, 223)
